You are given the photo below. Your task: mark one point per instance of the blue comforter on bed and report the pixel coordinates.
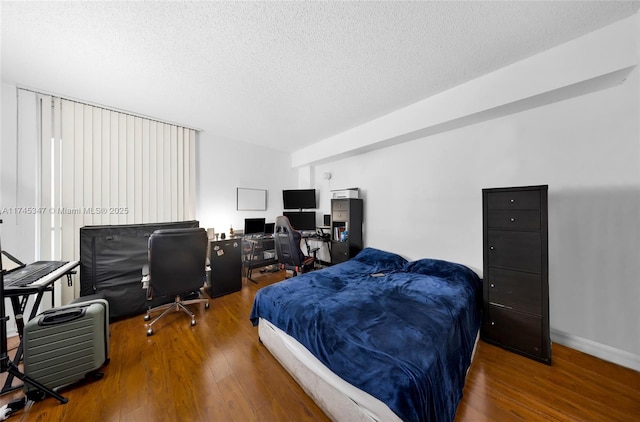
(405, 337)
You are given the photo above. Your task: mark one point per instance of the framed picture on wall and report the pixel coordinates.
(249, 199)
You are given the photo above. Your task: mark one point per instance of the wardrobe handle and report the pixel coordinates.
(512, 219)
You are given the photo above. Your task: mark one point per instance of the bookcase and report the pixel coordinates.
(346, 215)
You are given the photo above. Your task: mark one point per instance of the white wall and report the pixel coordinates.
(225, 165)
(422, 198)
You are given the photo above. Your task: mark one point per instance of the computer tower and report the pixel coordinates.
(225, 257)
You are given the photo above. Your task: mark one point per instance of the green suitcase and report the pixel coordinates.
(66, 344)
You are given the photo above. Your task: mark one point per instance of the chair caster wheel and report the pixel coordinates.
(206, 305)
(36, 395)
(149, 332)
(193, 322)
(147, 317)
(94, 375)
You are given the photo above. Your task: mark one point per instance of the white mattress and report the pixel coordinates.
(340, 400)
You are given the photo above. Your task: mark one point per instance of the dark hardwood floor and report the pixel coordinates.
(219, 371)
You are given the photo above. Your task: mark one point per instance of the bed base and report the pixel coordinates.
(339, 400)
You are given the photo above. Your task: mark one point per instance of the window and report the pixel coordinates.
(97, 166)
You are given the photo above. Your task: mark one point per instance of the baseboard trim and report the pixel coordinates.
(599, 350)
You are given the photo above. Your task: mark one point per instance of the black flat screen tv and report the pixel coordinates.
(298, 199)
(301, 220)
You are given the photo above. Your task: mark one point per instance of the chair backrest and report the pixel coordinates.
(177, 260)
(287, 243)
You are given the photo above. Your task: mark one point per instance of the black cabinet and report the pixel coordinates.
(346, 215)
(225, 257)
(516, 280)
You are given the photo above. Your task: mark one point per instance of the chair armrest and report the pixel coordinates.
(145, 276)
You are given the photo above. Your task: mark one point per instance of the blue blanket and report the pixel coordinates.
(405, 337)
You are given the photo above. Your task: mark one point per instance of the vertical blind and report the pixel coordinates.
(103, 167)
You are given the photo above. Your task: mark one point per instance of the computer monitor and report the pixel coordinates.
(298, 199)
(301, 220)
(254, 226)
(269, 228)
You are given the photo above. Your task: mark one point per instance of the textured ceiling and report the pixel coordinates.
(281, 74)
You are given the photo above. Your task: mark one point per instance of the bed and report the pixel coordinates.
(376, 337)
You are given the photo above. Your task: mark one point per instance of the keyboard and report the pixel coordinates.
(31, 273)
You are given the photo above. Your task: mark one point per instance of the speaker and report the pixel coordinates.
(327, 220)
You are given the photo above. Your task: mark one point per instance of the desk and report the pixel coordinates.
(257, 252)
(19, 297)
(323, 241)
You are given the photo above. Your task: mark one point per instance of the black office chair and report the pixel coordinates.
(177, 268)
(287, 243)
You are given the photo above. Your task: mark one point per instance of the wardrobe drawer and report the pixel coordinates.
(519, 200)
(520, 251)
(340, 216)
(515, 330)
(339, 205)
(515, 290)
(514, 220)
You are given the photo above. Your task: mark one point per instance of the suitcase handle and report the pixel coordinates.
(61, 316)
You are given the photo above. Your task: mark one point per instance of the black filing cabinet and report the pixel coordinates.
(225, 257)
(516, 281)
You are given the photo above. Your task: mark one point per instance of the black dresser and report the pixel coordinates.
(516, 280)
